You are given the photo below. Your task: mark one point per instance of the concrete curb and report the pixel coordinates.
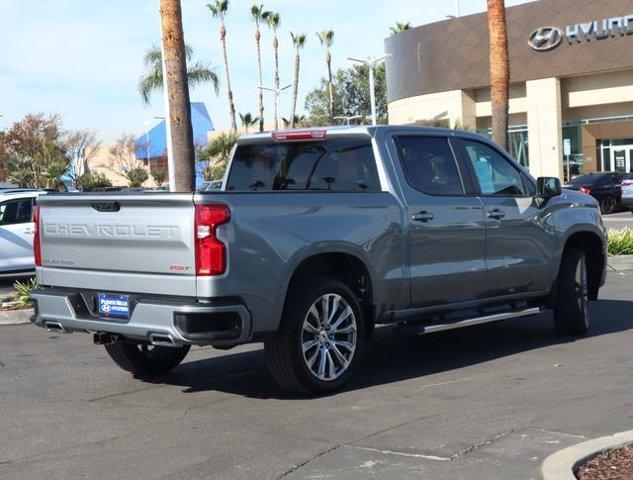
(15, 317)
(562, 464)
(621, 262)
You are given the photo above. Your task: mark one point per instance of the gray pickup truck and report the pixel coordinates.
(315, 237)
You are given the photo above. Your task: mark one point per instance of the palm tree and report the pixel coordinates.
(400, 27)
(257, 12)
(197, 73)
(295, 120)
(499, 71)
(181, 134)
(248, 120)
(299, 42)
(327, 39)
(218, 9)
(273, 20)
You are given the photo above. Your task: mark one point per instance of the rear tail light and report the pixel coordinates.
(210, 252)
(585, 190)
(37, 244)
(296, 135)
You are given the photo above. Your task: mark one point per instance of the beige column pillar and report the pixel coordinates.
(545, 129)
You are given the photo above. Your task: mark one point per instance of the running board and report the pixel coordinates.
(469, 322)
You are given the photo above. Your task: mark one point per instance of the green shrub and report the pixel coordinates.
(137, 176)
(621, 242)
(92, 181)
(22, 292)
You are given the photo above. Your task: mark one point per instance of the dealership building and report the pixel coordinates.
(571, 92)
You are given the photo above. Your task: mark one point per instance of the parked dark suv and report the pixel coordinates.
(606, 187)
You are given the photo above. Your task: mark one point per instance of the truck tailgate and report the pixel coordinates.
(128, 243)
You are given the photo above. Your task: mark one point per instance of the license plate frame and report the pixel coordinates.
(113, 305)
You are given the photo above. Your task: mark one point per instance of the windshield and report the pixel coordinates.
(334, 165)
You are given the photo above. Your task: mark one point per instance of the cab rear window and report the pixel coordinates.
(330, 165)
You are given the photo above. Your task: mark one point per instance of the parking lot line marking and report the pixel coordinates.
(403, 454)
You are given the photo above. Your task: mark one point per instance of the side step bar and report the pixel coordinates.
(469, 322)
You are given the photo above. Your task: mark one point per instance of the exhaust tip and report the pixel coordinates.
(55, 327)
(161, 339)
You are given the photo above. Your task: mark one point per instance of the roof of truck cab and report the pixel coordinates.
(353, 130)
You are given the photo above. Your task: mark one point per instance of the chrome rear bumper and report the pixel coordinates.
(150, 320)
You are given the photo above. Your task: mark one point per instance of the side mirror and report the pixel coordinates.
(548, 187)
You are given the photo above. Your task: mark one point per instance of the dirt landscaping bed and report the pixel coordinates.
(616, 464)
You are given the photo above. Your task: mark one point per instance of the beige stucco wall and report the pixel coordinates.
(456, 105)
(102, 162)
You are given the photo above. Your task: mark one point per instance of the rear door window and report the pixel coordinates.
(331, 165)
(429, 165)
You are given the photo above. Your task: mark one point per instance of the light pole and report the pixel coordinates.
(277, 92)
(371, 62)
(458, 12)
(347, 119)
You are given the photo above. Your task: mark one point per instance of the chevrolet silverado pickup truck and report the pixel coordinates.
(314, 238)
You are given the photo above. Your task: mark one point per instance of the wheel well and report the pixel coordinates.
(346, 268)
(593, 248)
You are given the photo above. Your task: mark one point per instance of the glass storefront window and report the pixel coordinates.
(616, 155)
(517, 143)
(573, 163)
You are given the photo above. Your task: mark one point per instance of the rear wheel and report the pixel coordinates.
(607, 205)
(571, 309)
(145, 359)
(321, 340)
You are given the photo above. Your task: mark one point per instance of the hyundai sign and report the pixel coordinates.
(544, 39)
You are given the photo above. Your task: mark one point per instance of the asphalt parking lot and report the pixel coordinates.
(618, 220)
(489, 402)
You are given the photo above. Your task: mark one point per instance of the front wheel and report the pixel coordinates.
(571, 309)
(145, 359)
(321, 339)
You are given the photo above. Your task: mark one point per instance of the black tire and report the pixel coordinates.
(286, 359)
(571, 308)
(145, 359)
(608, 205)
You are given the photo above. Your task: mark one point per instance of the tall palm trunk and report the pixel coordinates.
(295, 89)
(499, 71)
(228, 78)
(258, 36)
(276, 50)
(177, 92)
(328, 61)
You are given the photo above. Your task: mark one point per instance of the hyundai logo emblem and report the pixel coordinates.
(545, 38)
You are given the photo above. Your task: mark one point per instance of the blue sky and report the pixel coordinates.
(82, 59)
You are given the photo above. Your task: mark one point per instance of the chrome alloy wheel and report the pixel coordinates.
(329, 336)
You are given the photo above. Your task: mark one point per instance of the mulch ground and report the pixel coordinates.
(614, 465)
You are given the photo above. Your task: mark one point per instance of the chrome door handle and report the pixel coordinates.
(423, 217)
(496, 214)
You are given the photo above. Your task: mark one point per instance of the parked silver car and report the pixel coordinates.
(16, 229)
(627, 192)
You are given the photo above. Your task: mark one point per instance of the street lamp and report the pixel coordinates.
(371, 62)
(277, 92)
(347, 119)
